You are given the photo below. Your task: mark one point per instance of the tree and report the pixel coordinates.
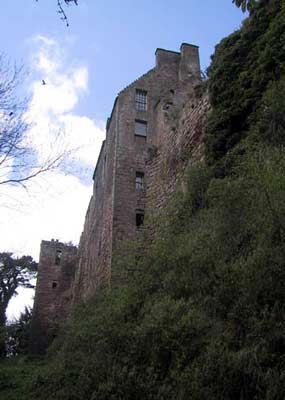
(61, 9)
(18, 334)
(245, 5)
(18, 160)
(60, 5)
(14, 272)
(230, 123)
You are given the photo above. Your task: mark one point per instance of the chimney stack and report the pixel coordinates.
(189, 62)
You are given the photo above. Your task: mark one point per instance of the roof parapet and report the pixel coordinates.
(164, 57)
(189, 62)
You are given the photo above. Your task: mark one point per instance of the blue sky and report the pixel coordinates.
(116, 40)
(108, 44)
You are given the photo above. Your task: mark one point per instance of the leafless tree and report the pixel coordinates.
(18, 160)
(61, 10)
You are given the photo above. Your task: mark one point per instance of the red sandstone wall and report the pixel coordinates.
(180, 137)
(176, 119)
(53, 292)
(95, 249)
(111, 216)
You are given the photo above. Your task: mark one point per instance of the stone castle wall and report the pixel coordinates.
(174, 118)
(53, 291)
(180, 144)
(112, 213)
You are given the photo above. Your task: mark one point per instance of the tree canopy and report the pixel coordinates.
(243, 67)
(245, 5)
(14, 272)
(18, 334)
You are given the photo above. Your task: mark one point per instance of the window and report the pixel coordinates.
(141, 100)
(139, 180)
(140, 128)
(139, 218)
(58, 257)
(54, 284)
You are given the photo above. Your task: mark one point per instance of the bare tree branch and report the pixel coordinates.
(60, 6)
(19, 160)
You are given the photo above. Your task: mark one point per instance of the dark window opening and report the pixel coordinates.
(140, 128)
(138, 258)
(141, 100)
(140, 140)
(139, 180)
(58, 257)
(54, 284)
(139, 218)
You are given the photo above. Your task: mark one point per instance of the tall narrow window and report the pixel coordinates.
(141, 100)
(139, 218)
(140, 128)
(139, 180)
(58, 256)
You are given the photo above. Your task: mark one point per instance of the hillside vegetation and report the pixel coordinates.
(202, 316)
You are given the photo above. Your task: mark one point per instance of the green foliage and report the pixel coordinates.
(243, 67)
(15, 376)
(245, 5)
(204, 318)
(271, 123)
(14, 272)
(18, 334)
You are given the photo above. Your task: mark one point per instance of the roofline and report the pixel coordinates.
(188, 44)
(176, 52)
(58, 243)
(121, 92)
(168, 51)
(136, 80)
(112, 112)
(100, 154)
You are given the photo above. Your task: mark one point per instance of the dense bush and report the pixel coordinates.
(244, 65)
(204, 317)
(18, 334)
(16, 375)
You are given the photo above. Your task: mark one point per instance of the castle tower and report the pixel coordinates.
(53, 292)
(117, 207)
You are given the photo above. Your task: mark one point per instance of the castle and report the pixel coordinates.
(154, 132)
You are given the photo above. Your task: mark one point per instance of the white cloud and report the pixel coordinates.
(55, 204)
(80, 78)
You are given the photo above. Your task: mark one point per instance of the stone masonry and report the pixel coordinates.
(53, 291)
(136, 131)
(153, 134)
(180, 145)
